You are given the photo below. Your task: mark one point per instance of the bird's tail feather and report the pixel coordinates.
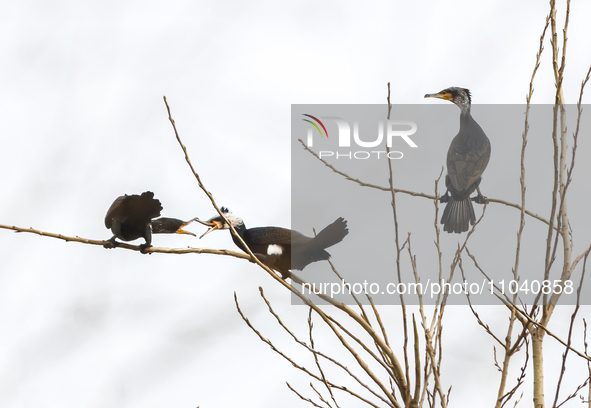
(331, 235)
(458, 215)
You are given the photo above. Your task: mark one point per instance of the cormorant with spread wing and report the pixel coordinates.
(131, 217)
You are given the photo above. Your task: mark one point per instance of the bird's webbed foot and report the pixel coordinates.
(444, 198)
(111, 243)
(143, 248)
(480, 199)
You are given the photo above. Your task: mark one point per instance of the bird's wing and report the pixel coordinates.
(137, 209)
(467, 159)
(114, 211)
(274, 235)
(143, 208)
(329, 236)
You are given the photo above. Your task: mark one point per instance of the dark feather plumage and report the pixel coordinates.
(129, 216)
(280, 248)
(167, 225)
(467, 158)
(132, 216)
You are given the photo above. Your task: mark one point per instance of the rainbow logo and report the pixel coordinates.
(315, 125)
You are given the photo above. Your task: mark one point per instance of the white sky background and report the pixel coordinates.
(82, 121)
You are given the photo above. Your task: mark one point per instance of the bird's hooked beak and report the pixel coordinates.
(441, 95)
(213, 225)
(182, 231)
(183, 225)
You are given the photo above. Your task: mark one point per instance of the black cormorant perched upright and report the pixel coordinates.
(280, 248)
(131, 217)
(467, 158)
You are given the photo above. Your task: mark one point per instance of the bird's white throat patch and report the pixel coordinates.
(274, 250)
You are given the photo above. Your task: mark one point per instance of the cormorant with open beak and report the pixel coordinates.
(281, 249)
(467, 158)
(131, 217)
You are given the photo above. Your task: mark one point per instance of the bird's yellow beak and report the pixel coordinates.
(215, 225)
(441, 95)
(182, 231)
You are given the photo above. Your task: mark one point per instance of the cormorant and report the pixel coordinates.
(131, 217)
(280, 248)
(467, 158)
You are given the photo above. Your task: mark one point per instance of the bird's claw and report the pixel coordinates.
(111, 243)
(444, 198)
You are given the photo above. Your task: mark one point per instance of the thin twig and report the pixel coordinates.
(302, 397)
(296, 365)
(311, 326)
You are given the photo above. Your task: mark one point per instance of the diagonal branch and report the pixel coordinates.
(413, 193)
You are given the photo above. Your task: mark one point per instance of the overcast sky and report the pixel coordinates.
(83, 121)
